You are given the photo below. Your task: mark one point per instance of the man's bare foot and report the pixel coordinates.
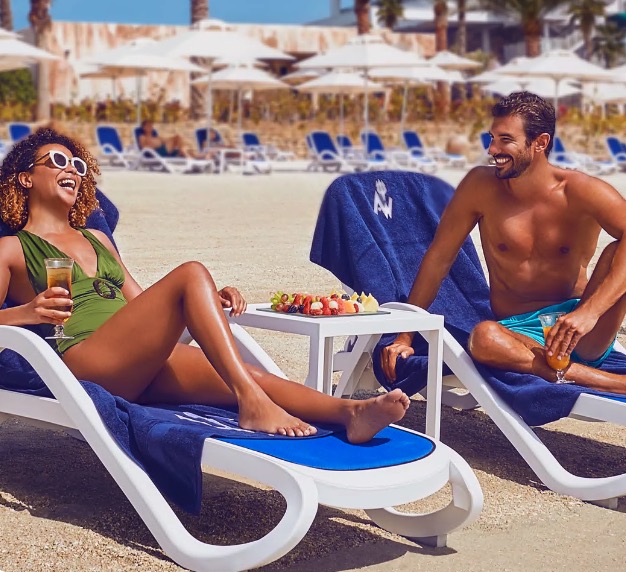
(369, 416)
(260, 413)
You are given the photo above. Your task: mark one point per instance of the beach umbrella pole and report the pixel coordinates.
(209, 107)
(403, 113)
(239, 99)
(341, 122)
(366, 106)
(138, 111)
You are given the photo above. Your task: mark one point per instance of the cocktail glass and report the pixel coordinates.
(547, 322)
(59, 274)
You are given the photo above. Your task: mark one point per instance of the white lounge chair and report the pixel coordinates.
(430, 466)
(151, 160)
(375, 151)
(326, 156)
(252, 144)
(111, 149)
(406, 192)
(617, 151)
(414, 145)
(18, 131)
(563, 158)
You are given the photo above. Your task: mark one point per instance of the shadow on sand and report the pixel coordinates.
(56, 477)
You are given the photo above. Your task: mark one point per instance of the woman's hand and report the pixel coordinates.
(230, 297)
(49, 307)
(401, 346)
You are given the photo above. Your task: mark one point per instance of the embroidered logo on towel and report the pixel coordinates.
(382, 203)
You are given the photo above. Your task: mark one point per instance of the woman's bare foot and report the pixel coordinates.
(369, 416)
(260, 413)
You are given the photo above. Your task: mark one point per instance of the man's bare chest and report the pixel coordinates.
(541, 232)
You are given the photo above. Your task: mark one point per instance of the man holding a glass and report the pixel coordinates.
(539, 228)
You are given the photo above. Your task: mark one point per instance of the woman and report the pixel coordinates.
(126, 339)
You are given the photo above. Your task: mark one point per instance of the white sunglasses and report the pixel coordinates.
(61, 160)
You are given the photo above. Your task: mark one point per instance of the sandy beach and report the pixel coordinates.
(61, 511)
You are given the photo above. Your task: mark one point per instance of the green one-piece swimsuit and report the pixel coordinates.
(96, 298)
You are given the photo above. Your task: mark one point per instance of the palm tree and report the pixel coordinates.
(199, 10)
(389, 12)
(41, 23)
(608, 43)
(362, 13)
(461, 34)
(585, 12)
(6, 17)
(530, 13)
(197, 106)
(440, 8)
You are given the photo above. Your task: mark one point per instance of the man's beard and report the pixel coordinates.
(517, 167)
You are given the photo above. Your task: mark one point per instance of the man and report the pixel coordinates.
(539, 228)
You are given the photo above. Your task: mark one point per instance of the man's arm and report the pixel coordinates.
(604, 204)
(457, 221)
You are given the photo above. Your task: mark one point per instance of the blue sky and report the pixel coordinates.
(177, 11)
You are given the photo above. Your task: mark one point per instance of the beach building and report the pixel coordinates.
(487, 31)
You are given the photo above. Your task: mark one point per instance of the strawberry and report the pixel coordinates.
(341, 308)
(334, 312)
(326, 311)
(324, 300)
(356, 308)
(297, 299)
(306, 305)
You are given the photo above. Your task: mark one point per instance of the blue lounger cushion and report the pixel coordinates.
(391, 446)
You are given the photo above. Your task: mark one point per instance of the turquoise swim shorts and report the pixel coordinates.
(529, 325)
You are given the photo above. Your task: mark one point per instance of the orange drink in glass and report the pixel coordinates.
(559, 365)
(59, 274)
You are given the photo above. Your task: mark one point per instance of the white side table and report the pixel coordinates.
(321, 332)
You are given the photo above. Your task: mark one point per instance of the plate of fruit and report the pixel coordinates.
(333, 304)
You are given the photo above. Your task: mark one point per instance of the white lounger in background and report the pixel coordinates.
(354, 359)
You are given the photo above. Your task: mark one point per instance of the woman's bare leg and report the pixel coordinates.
(187, 373)
(126, 354)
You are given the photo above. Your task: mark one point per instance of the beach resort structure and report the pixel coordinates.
(487, 31)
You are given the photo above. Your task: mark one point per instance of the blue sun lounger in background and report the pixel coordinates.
(414, 145)
(252, 144)
(617, 151)
(111, 149)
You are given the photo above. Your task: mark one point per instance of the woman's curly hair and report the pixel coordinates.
(14, 197)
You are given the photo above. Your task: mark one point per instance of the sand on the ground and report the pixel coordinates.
(61, 511)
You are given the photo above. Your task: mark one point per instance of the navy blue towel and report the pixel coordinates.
(165, 441)
(372, 232)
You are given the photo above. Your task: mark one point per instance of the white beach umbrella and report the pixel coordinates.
(340, 82)
(241, 78)
(364, 52)
(603, 93)
(300, 76)
(134, 59)
(214, 40)
(559, 65)
(424, 73)
(15, 54)
(543, 87)
(451, 61)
